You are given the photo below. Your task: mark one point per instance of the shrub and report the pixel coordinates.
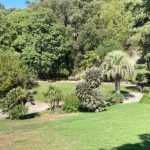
(53, 97)
(88, 92)
(146, 89)
(89, 59)
(148, 60)
(18, 111)
(117, 98)
(14, 103)
(13, 73)
(64, 72)
(148, 77)
(140, 77)
(71, 103)
(93, 77)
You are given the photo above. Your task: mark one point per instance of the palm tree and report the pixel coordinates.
(118, 66)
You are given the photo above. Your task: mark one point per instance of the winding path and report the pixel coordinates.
(37, 107)
(134, 97)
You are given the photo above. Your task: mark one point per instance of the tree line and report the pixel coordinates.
(57, 38)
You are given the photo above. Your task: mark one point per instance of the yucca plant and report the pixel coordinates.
(53, 96)
(118, 66)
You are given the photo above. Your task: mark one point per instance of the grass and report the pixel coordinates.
(146, 98)
(124, 127)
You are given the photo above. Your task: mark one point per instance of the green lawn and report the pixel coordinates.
(124, 127)
(146, 98)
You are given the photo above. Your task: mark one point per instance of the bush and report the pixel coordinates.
(18, 111)
(71, 103)
(93, 77)
(89, 94)
(146, 89)
(148, 60)
(53, 97)
(89, 59)
(14, 103)
(117, 98)
(148, 77)
(13, 73)
(64, 72)
(140, 77)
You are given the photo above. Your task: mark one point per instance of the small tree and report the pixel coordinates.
(118, 66)
(88, 92)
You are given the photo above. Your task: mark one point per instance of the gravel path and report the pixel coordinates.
(2, 116)
(134, 97)
(37, 107)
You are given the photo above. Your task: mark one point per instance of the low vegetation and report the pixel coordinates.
(71, 103)
(53, 96)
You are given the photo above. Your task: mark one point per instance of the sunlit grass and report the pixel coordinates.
(120, 125)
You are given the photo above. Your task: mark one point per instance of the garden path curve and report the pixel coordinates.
(133, 97)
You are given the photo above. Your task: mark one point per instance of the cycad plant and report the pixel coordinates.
(53, 96)
(118, 66)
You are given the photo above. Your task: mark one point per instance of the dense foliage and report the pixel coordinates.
(13, 73)
(15, 79)
(56, 38)
(39, 39)
(88, 92)
(14, 103)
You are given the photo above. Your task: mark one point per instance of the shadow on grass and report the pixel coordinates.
(143, 145)
(30, 116)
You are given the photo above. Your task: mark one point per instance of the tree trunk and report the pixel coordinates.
(117, 84)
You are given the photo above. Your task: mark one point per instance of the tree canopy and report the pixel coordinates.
(52, 36)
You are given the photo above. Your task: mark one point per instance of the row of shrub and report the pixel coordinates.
(87, 96)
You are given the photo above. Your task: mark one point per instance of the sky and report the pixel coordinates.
(13, 3)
